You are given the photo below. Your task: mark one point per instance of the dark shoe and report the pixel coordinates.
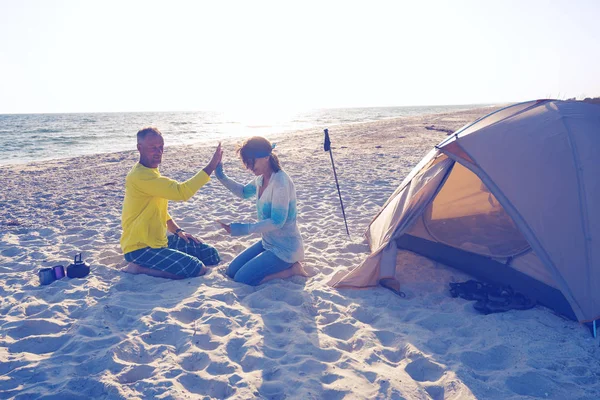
(515, 302)
(481, 306)
(500, 294)
(469, 290)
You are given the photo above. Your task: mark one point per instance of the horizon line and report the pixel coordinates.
(224, 110)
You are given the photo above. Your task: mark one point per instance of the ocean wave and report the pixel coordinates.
(45, 130)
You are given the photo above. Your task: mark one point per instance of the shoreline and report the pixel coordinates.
(201, 142)
(122, 336)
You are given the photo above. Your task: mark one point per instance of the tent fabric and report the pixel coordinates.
(406, 205)
(526, 178)
(467, 215)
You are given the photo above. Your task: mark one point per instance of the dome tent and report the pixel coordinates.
(513, 198)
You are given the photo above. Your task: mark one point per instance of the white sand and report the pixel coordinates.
(115, 335)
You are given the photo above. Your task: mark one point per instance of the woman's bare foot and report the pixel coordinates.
(296, 269)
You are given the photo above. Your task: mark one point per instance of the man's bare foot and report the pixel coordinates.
(136, 269)
(132, 268)
(393, 285)
(296, 269)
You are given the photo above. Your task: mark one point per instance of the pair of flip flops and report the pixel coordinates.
(490, 298)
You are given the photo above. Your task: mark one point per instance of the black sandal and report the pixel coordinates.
(469, 290)
(500, 294)
(517, 301)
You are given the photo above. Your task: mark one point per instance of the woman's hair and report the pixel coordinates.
(258, 147)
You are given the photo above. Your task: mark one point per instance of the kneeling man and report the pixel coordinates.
(146, 220)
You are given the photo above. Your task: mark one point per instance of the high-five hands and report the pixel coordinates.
(215, 160)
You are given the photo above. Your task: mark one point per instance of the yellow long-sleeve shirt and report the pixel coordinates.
(145, 207)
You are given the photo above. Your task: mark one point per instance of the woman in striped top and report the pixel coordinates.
(279, 252)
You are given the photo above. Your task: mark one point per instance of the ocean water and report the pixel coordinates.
(36, 137)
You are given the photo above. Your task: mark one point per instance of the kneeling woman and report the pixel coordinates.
(281, 249)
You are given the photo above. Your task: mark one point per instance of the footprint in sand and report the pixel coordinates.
(283, 316)
(206, 387)
(320, 244)
(44, 232)
(436, 392)
(328, 317)
(271, 374)
(195, 361)
(34, 309)
(85, 388)
(424, 370)
(340, 330)
(187, 314)
(441, 321)
(110, 257)
(386, 338)
(218, 325)
(327, 355)
(24, 328)
(236, 349)
(272, 390)
(205, 342)
(228, 298)
(355, 248)
(39, 344)
(364, 315)
(136, 373)
(333, 394)
(168, 335)
(330, 378)
(309, 367)
(12, 251)
(220, 368)
(496, 358)
(251, 363)
(532, 384)
(273, 354)
(438, 345)
(394, 356)
(133, 353)
(159, 316)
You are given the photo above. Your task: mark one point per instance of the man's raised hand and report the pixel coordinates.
(215, 160)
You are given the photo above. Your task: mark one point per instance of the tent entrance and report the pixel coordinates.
(466, 215)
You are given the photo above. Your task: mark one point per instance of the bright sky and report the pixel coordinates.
(88, 56)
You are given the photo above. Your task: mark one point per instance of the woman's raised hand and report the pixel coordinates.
(224, 226)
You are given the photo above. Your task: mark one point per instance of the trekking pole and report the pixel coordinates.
(327, 147)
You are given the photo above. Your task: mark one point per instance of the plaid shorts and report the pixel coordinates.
(180, 258)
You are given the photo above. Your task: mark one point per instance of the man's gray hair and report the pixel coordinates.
(149, 130)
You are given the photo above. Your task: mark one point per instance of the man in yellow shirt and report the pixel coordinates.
(145, 218)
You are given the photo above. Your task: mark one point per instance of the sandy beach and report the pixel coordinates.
(113, 335)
